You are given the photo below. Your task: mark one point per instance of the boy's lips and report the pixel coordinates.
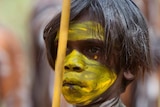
(71, 83)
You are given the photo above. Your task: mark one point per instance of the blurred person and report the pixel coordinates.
(42, 89)
(14, 91)
(107, 49)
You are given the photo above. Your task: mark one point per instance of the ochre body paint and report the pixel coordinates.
(83, 85)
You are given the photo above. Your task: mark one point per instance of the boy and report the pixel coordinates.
(107, 48)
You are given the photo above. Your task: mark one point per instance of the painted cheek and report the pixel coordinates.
(103, 77)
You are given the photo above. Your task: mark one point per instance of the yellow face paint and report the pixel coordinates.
(85, 30)
(85, 79)
(81, 86)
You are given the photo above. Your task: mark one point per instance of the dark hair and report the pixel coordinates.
(126, 33)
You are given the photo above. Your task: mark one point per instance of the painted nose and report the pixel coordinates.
(74, 62)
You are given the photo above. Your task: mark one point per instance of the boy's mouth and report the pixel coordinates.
(71, 84)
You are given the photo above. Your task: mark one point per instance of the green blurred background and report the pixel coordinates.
(15, 14)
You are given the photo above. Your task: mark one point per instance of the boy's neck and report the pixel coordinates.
(114, 102)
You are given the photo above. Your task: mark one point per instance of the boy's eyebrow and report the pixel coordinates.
(94, 41)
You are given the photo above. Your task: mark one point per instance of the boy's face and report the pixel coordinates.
(85, 75)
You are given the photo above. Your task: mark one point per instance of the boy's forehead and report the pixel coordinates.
(85, 30)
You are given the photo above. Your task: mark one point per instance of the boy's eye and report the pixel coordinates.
(93, 50)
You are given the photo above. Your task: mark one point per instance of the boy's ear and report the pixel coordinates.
(128, 75)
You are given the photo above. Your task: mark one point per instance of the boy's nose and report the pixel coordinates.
(74, 62)
(73, 67)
